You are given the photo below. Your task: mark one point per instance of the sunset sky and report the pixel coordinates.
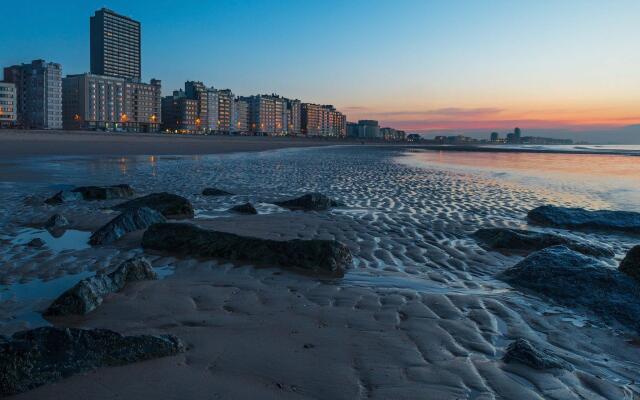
(413, 64)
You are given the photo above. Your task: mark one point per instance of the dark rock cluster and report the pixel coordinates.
(130, 220)
(630, 265)
(104, 192)
(309, 202)
(565, 217)
(522, 351)
(91, 193)
(322, 257)
(168, 204)
(215, 192)
(246, 208)
(87, 294)
(32, 358)
(517, 240)
(574, 279)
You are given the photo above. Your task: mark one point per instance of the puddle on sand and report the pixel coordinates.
(31, 298)
(68, 240)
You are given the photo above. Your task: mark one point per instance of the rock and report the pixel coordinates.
(577, 280)
(62, 197)
(522, 351)
(215, 192)
(322, 257)
(630, 265)
(168, 204)
(33, 200)
(56, 221)
(246, 208)
(516, 240)
(564, 217)
(130, 220)
(39, 356)
(37, 242)
(309, 202)
(104, 192)
(87, 294)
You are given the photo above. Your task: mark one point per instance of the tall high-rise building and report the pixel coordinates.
(115, 45)
(39, 94)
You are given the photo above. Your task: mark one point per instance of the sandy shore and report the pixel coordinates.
(419, 315)
(34, 143)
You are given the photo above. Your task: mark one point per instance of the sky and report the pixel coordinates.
(418, 65)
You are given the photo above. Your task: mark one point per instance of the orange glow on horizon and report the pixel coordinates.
(496, 118)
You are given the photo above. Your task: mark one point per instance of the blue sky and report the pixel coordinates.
(417, 64)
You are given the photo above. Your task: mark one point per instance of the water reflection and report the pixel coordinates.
(611, 178)
(57, 241)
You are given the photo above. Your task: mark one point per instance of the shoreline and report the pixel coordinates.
(485, 149)
(17, 143)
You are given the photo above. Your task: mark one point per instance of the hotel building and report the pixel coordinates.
(98, 102)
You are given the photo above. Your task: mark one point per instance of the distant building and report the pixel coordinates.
(369, 129)
(8, 105)
(142, 106)
(262, 114)
(457, 139)
(323, 120)
(352, 129)
(93, 102)
(240, 116)
(212, 112)
(180, 114)
(225, 110)
(543, 140)
(517, 135)
(294, 113)
(115, 45)
(413, 137)
(39, 94)
(495, 136)
(99, 102)
(391, 134)
(198, 91)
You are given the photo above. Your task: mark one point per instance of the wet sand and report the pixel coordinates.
(34, 143)
(419, 314)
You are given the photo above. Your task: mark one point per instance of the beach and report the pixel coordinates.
(34, 143)
(418, 314)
